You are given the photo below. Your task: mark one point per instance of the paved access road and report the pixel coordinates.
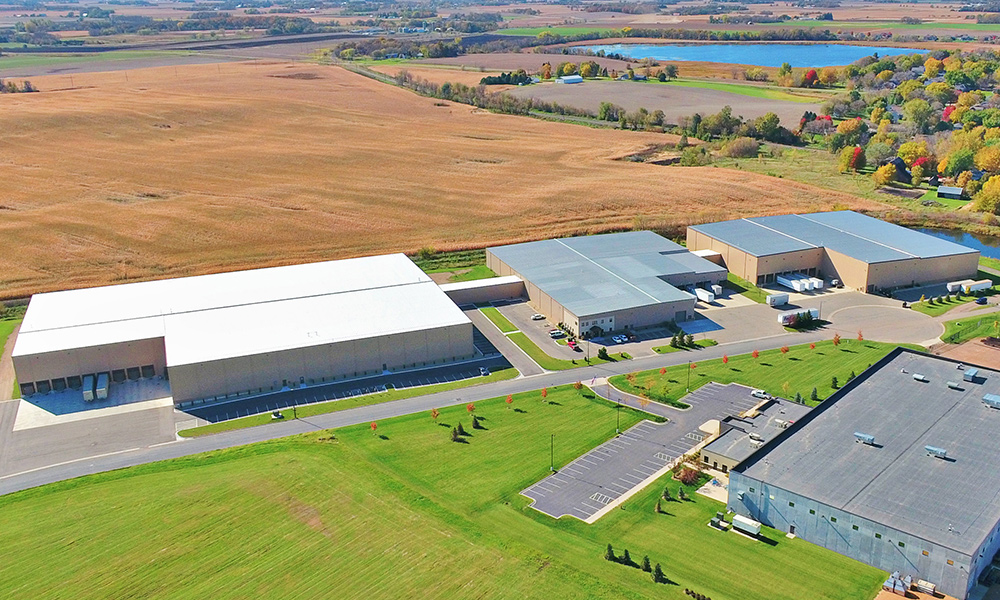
(625, 462)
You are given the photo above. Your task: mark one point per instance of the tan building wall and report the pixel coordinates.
(717, 461)
(315, 364)
(924, 271)
(643, 316)
(503, 291)
(851, 272)
(798, 261)
(92, 360)
(738, 263)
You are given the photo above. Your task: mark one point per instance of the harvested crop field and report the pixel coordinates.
(674, 100)
(209, 168)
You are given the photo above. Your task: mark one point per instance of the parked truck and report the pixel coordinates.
(704, 295)
(817, 283)
(717, 290)
(777, 299)
(976, 286)
(954, 286)
(747, 526)
(88, 388)
(102, 386)
(793, 282)
(788, 318)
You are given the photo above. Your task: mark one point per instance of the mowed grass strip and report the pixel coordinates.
(502, 323)
(780, 374)
(754, 91)
(550, 363)
(322, 408)
(939, 308)
(400, 513)
(971, 327)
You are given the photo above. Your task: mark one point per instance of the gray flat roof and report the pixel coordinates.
(736, 443)
(603, 273)
(853, 234)
(954, 503)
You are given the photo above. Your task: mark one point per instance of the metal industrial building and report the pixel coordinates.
(607, 282)
(863, 252)
(244, 332)
(898, 470)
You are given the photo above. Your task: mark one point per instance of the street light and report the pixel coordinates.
(552, 455)
(618, 425)
(689, 377)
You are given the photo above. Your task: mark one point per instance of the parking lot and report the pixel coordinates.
(601, 476)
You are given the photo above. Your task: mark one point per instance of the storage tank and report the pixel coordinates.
(88, 388)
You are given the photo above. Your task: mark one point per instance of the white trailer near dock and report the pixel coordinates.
(954, 286)
(787, 318)
(776, 299)
(747, 526)
(704, 295)
(794, 282)
(102, 386)
(88, 388)
(976, 286)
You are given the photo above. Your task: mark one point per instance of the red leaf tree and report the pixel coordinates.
(435, 413)
(812, 346)
(545, 392)
(784, 349)
(374, 426)
(836, 339)
(663, 370)
(470, 407)
(811, 78)
(756, 353)
(725, 359)
(861, 337)
(510, 400)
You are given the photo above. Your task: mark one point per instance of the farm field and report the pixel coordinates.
(675, 102)
(400, 513)
(207, 168)
(802, 369)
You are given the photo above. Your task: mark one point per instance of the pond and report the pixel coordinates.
(764, 55)
(988, 246)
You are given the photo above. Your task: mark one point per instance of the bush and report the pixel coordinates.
(689, 341)
(475, 422)
(609, 554)
(814, 395)
(834, 383)
(645, 564)
(688, 476)
(742, 147)
(461, 430)
(455, 436)
(603, 354)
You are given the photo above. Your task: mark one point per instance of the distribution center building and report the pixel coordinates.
(898, 470)
(863, 252)
(244, 332)
(608, 282)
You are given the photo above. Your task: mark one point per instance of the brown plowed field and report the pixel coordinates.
(208, 168)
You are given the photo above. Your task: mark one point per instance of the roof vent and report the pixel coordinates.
(991, 400)
(919, 377)
(756, 437)
(864, 438)
(781, 424)
(954, 385)
(935, 451)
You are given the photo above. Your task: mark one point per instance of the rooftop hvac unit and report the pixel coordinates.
(935, 451)
(954, 385)
(756, 437)
(756, 444)
(781, 424)
(991, 400)
(864, 438)
(919, 377)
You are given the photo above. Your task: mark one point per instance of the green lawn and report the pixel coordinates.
(970, 328)
(939, 308)
(498, 319)
(699, 344)
(948, 202)
(432, 261)
(476, 272)
(755, 91)
(555, 30)
(405, 513)
(742, 286)
(17, 61)
(890, 25)
(800, 370)
(320, 408)
(557, 364)
(6, 328)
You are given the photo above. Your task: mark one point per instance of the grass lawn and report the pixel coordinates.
(406, 513)
(992, 263)
(970, 328)
(17, 61)
(445, 262)
(556, 364)
(555, 30)
(742, 286)
(476, 272)
(320, 408)
(699, 344)
(951, 203)
(498, 319)
(800, 371)
(939, 308)
(755, 91)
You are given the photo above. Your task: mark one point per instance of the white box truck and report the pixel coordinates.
(717, 289)
(88, 388)
(777, 299)
(102, 386)
(704, 295)
(954, 286)
(816, 282)
(787, 318)
(976, 286)
(747, 526)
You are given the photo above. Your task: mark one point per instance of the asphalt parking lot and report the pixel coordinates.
(601, 476)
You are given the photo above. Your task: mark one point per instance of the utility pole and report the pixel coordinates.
(689, 377)
(618, 425)
(552, 453)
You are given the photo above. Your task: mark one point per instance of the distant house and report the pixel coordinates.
(945, 191)
(570, 79)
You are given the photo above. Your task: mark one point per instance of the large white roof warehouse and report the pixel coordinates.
(246, 330)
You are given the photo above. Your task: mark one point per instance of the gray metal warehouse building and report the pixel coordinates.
(899, 469)
(608, 282)
(245, 332)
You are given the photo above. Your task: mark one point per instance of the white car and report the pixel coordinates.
(760, 394)
(537, 317)
(556, 334)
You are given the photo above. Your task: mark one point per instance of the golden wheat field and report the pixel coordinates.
(178, 171)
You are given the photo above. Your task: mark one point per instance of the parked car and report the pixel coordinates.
(556, 334)
(619, 339)
(537, 317)
(836, 283)
(760, 394)
(571, 344)
(484, 371)
(982, 300)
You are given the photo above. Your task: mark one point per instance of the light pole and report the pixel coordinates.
(689, 377)
(552, 454)
(618, 423)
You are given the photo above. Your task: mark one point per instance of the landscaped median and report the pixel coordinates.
(502, 323)
(321, 408)
(698, 345)
(936, 307)
(557, 364)
(783, 372)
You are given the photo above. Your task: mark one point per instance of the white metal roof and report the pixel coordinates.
(243, 312)
(480, 283)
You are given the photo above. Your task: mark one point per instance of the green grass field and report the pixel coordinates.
(742, 286)
(473, 274)
(755, 91)
(502, 323)
(779, 374)
(550, 363)
(940, 308)
(951, 203)
(405, 513)
(18, 61)
(321, 408)
(970, 328)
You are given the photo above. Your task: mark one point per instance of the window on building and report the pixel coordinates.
(812, 511)
(791, 504)
(878, 536)
(926, 553)
(833, 519)
(854, 527)
(901, 544)
(704, 458)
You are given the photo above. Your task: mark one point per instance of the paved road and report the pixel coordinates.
(515, 355)
(623, 463)
(14, 481)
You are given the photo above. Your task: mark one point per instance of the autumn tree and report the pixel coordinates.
(435, 413)
(812, 346)
(374, 426)
(829, 76)
(725, 359)
(810, 78)
(578, 386)
(988, 159)
(545, 393)
(836, 339)
(510, 400)
(884, 175)
(861, 336)
(988, 198)
(755, 353)
(784, 349)
(546, 72)
(663, 371)
(470, 407)
(918, 111)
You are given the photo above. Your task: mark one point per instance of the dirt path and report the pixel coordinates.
(7, 367)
